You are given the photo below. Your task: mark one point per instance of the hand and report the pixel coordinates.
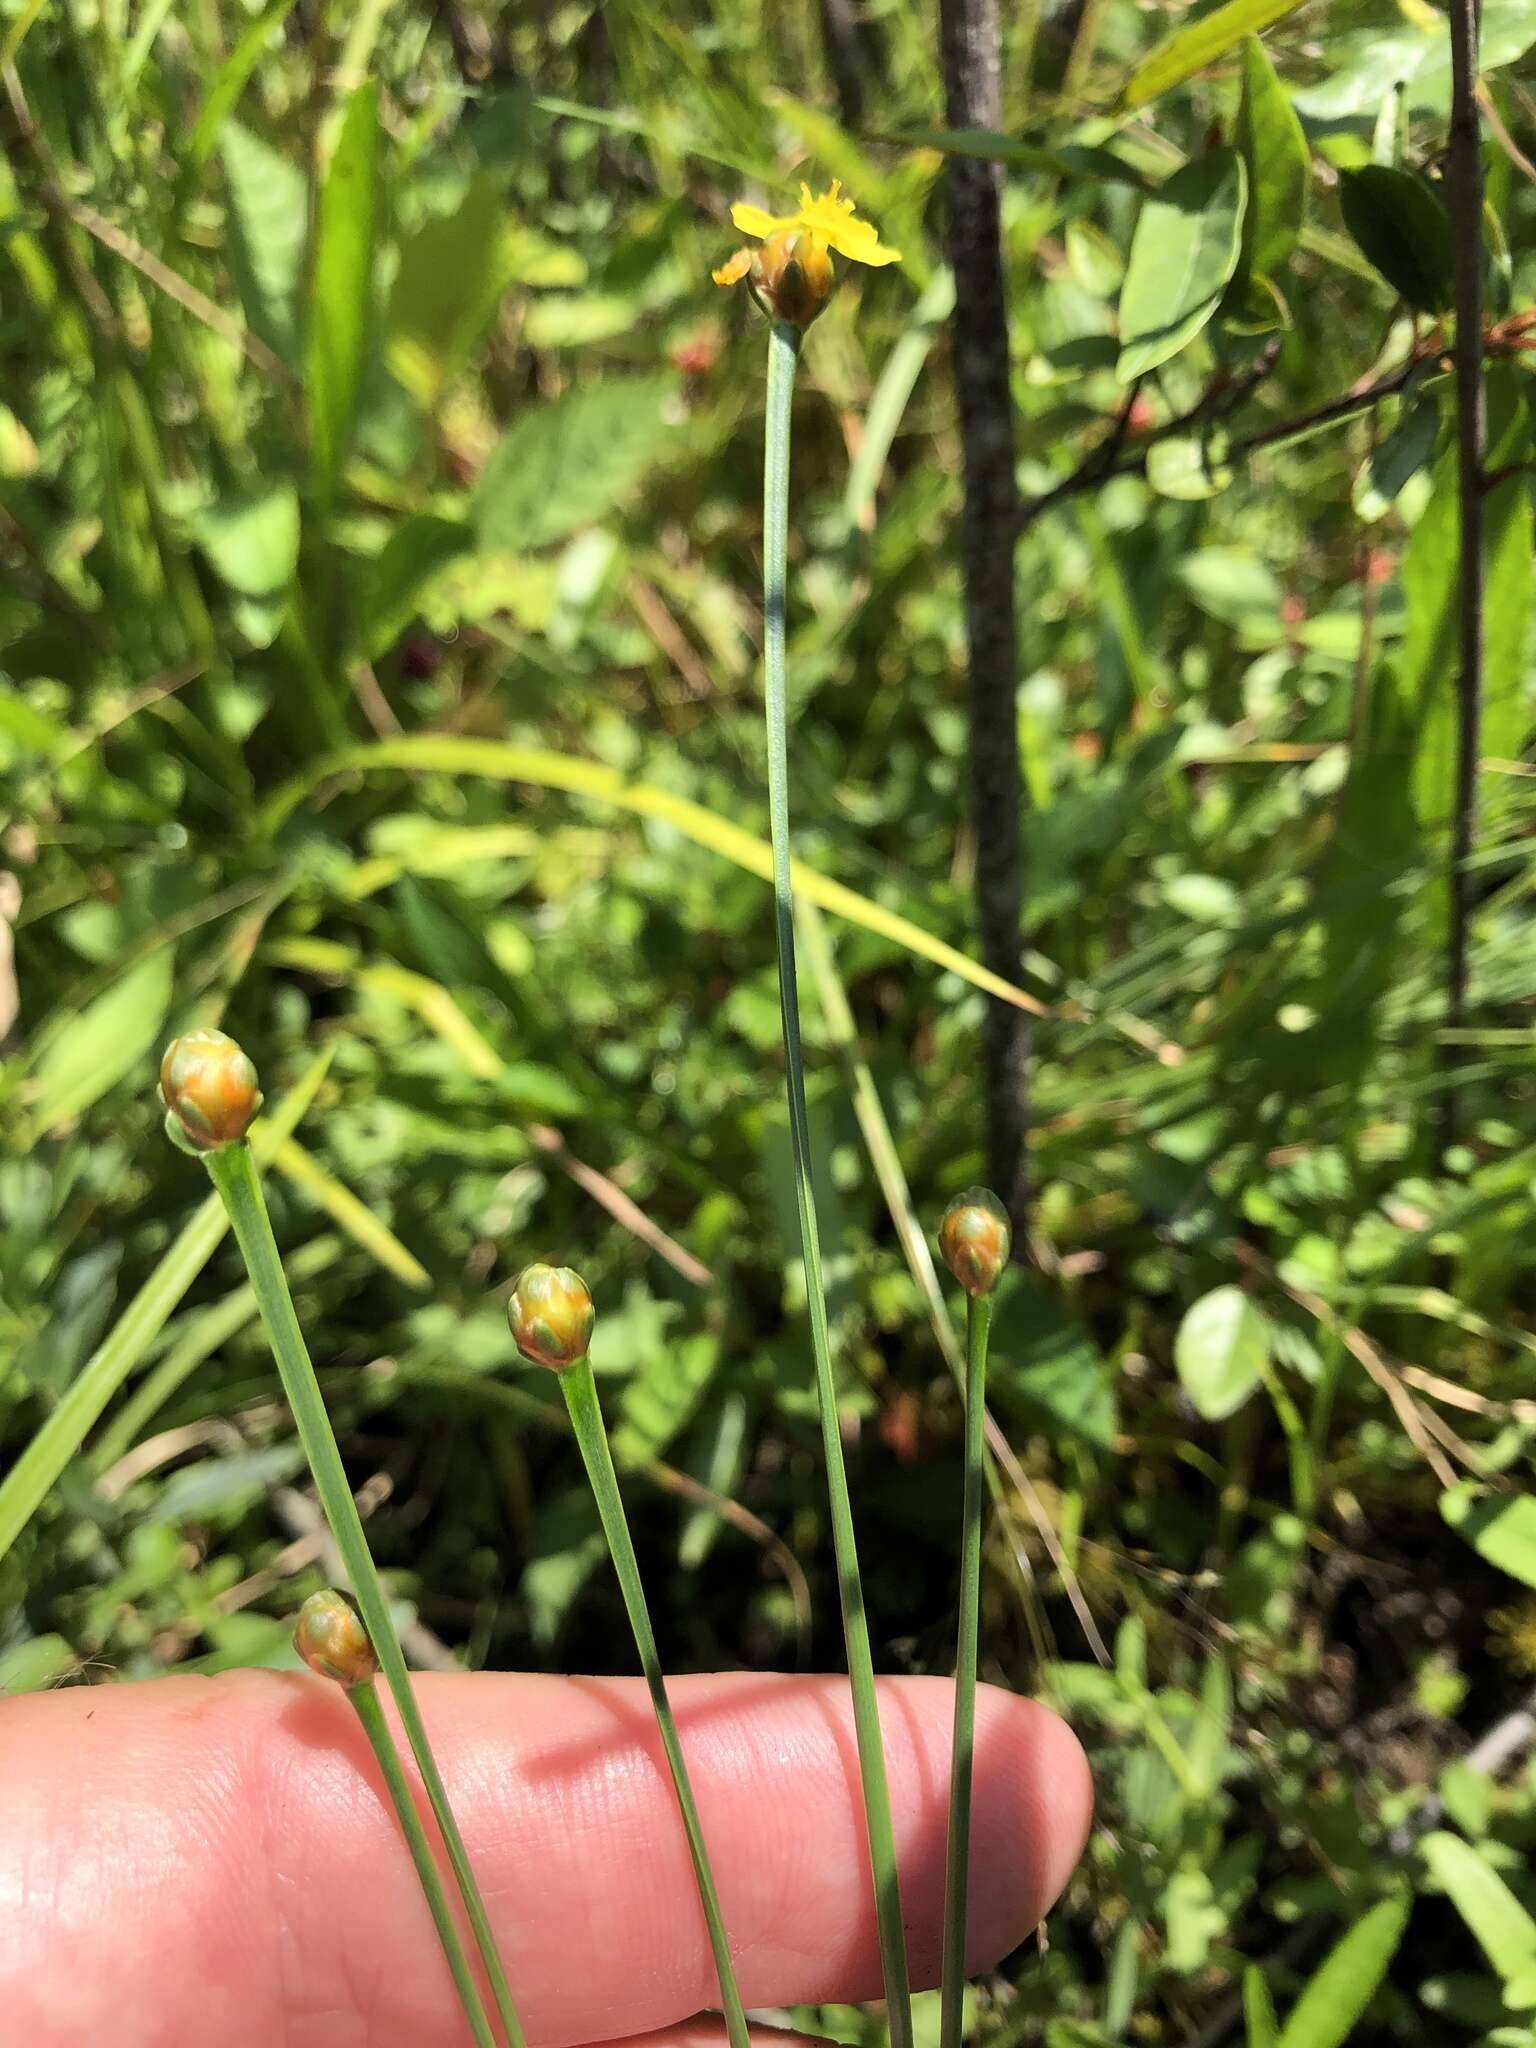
(212, 1863)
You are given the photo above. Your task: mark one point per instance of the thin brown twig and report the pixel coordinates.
(621, 1207)
(1093, 471)
(1365, 1353)
(686, 1487)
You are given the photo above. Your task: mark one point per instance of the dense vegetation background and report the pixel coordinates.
(379, 506)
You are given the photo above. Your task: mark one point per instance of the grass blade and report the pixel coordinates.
(61, 1435)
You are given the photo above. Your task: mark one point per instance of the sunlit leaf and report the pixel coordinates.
(1183, 255)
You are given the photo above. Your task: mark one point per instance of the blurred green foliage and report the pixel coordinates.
(364, 378)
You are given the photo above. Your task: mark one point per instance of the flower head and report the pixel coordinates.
(551, 1316)
(209, 1090)
(791, 276)
(975, 1238)
(333, 1642)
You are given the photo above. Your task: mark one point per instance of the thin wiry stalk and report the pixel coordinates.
(783, 352)
(365, 1701)
(233, 1173)
(580, 1390)
(1464, 179)
(957, 1864)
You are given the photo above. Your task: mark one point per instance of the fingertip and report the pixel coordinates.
(1056, 1795)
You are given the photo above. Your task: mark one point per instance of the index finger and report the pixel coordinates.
(214, 1859)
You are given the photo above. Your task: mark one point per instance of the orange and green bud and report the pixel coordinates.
(209, 1090)
(975, 1239)
(333, 1642)
(551, 1315)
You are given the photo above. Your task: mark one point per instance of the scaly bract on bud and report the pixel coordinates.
(209, 1086)
(975, 1238)
(331, 1639)
(551, 1316)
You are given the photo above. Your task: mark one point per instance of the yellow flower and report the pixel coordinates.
(791, 275)
(828, 218)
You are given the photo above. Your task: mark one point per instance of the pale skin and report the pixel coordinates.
(197, 1861)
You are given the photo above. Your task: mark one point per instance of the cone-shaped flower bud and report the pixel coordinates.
(551, 1315)
(209, 1086)
(975, 1239)
(332, 1640)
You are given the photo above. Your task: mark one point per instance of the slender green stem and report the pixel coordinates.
(366, 1701)
(580, 1390)
(952, 1996)
(233, 1173)
(783, 350)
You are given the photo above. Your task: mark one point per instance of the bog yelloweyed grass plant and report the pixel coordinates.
(792, 277)
(210, 1093)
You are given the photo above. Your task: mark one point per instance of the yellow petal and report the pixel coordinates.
(751, 220)
(734, 269)
(858, 241)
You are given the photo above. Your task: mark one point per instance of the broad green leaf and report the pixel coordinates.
(451, 276)
(35, 1664)
(1193, 1919)
(1220, 1351)
(1183, 254)
(396, 578)
(1509, 598)
(1044, 1358)
(268, 227)
(1372, 63)
(1083, 160)
(25, 1486)
(104, 1043)
(663, 1396)
(1399, 457)
(449, 755)
(1192, 48)
(1401, 226)
(252, 540)
(1347, 1979)
(1259, 2010)
(563, 465)
(1499, 1526)
(1279, 167)
(1504, 1930)
(341, 288)
(1429, 662)
(1190, 467)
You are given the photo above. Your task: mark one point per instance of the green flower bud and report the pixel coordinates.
(975, 1239)
(209, 1086)
(333, 1642)
(551, 1315)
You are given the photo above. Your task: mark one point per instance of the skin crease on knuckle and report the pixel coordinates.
(213, 1861)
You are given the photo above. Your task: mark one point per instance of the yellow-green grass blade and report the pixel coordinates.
(445, 754)
(353, 1216)
(27, 1483)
